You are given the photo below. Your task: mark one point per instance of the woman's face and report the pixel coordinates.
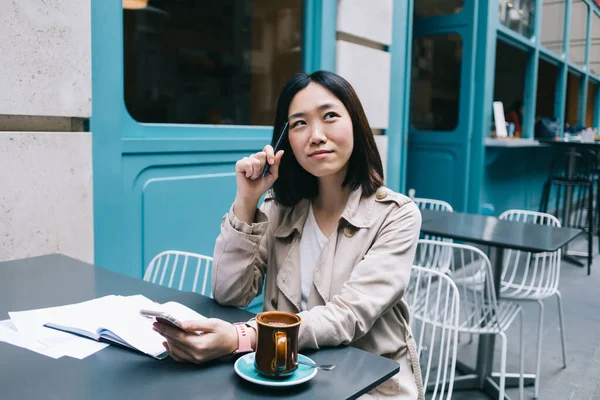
(320, 131)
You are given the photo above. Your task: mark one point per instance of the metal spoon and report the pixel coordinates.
(324, 367)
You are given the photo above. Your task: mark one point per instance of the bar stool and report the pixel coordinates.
(572, 177)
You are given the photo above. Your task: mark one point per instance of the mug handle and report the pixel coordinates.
(280, 351)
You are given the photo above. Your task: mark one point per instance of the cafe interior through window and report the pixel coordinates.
(509, 84)
(210, 61)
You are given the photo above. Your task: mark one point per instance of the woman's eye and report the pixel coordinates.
(298, 123)
(330, 115)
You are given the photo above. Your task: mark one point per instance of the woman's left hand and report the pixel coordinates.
(219, 339)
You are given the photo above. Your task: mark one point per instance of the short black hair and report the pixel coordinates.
(364, 167)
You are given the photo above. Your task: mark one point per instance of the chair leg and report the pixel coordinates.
(538, 362)
(521, 358)
(562, 328)
(502, 366)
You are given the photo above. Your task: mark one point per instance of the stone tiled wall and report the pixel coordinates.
(45, 90)
(364, 34)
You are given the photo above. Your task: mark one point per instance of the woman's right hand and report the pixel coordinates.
(250, 183)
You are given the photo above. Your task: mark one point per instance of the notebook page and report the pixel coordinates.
(132, 328)
(85, 317)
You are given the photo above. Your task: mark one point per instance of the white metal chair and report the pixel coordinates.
(434, 300)
(431, 204)
(171, 266)
(480, 311)
(436, 205)
(533, 277)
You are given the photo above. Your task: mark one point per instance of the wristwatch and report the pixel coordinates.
(244, 341)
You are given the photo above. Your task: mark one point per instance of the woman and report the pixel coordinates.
(334, 244)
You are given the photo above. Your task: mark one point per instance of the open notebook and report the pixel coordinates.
(116, 319)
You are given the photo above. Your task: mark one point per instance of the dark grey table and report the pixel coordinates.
(117, 373)
(499, 234)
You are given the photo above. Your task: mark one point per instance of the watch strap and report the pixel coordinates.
(244, 341)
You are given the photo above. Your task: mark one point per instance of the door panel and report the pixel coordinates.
(438, 157)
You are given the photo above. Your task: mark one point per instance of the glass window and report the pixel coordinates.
(210, 61)
(553, 25)
(579, 15)
(595, 45)
(546, 89)
(435, 88)
(430, 8)
(572, 103)
(509, 83)
(590, 107)
(518, 15)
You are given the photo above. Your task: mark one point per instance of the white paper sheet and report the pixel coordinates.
(76, 349)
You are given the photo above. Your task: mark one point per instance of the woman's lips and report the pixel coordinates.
(321, 153)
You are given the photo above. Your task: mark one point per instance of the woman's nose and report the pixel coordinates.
(317, 135)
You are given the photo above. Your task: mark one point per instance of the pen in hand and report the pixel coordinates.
(267, 165)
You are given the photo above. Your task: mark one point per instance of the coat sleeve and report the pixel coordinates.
(240, 257)
(376, 284)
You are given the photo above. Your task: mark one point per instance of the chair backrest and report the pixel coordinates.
(189, 271)
(434, 302)
(471, 271)
(581, 163)
(524, 273)
(431, 204)
(437, 205)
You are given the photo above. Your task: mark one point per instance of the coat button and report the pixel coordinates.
(349, 231)
(274, 302)
(382, 194)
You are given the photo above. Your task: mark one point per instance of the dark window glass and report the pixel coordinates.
(546, 89)
(590, 108)
(518, 15)
(509, 83)
(431, 8)
(435, 87)
(210, 61)
(572, 103)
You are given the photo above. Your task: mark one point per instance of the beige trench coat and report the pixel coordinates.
(359, 279)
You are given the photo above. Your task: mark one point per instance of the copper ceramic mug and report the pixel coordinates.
(277, 343)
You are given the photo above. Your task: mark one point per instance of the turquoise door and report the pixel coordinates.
(158, 185)
(441, 133)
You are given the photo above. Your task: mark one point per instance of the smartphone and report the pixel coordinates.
(165, 318)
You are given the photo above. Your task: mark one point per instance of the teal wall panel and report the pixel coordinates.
(438, 166)
(184, 212)
(397, 131)
(514, 178)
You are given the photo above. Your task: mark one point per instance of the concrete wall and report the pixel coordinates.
(45, 90)
(364, 32)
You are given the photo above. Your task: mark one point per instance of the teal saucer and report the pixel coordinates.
(244, 367)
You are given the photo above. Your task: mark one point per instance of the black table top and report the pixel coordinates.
(117, 373)
(492, 231)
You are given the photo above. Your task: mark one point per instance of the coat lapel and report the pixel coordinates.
(354, 216)
(290, 230)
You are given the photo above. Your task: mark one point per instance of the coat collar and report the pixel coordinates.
(358, 213)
